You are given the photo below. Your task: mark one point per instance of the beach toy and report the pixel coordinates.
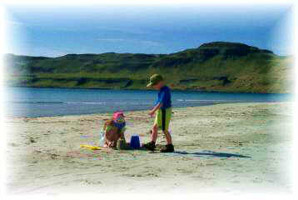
(135, 142)
(89, 147)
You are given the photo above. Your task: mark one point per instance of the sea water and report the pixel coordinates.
(38, 102)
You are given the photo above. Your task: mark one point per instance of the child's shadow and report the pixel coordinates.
(211, 153)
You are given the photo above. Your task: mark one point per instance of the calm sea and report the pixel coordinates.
(36, 102)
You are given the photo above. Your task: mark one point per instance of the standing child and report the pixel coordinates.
(163, 107)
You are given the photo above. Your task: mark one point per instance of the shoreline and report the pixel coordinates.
(144, 89)
(223, 147)
(141, 110)
(109, 113)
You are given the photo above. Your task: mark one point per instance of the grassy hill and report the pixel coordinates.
(216, 66)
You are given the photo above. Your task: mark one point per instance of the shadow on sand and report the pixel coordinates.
(210, 153)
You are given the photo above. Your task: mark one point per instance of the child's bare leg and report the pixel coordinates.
(154, 133)
(168, 136)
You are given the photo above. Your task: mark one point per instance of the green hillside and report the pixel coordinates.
(216, 66)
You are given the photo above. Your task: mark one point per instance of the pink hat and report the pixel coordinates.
(118, 114)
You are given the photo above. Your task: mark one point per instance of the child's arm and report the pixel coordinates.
(155, 109)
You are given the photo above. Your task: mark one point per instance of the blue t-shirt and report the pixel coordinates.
(164, 97)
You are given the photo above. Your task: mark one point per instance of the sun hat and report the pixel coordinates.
(117, 115)
(155, 79)
(118, 119)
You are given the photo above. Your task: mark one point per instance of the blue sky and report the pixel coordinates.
(56, 31)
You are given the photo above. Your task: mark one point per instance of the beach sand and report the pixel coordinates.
(232, 148)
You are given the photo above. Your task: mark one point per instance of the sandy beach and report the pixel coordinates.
(232, 148)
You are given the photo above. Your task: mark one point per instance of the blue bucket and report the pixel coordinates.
(135, 142)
